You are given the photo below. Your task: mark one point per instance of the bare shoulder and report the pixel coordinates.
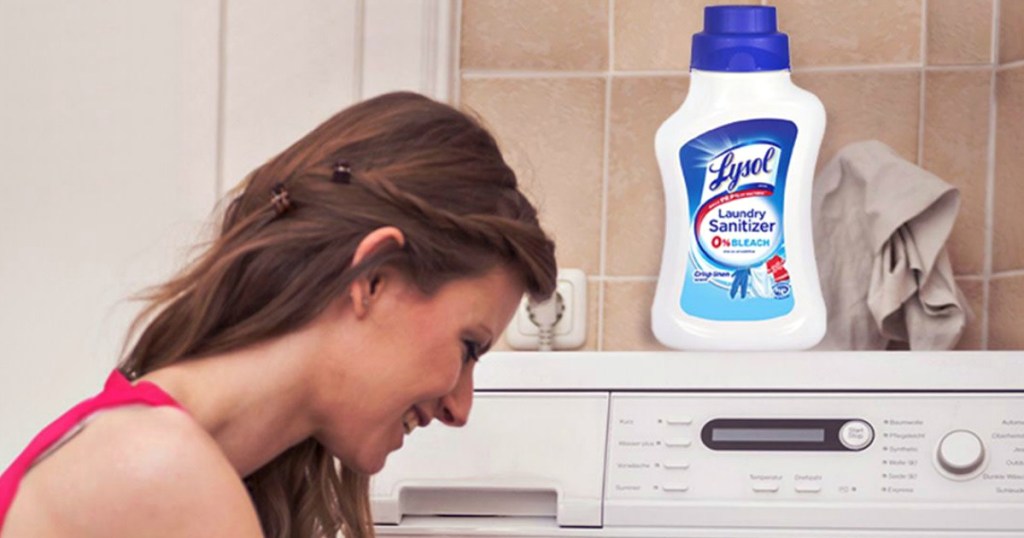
(138, 471)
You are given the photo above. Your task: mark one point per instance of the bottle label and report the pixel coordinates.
(735, 179)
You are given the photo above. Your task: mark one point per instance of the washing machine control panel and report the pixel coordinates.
(785, 447)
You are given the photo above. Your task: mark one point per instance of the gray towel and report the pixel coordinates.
(880, 228)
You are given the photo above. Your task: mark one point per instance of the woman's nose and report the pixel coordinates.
(456, 404)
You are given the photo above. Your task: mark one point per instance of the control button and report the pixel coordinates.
(808, 489)
(679, 421)
(675, 465)
(678, 443)
(766, 488)
(856, 435)
(960, 453)
(675, 487)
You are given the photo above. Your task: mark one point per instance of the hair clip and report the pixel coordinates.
(280, 199)
(342, 172)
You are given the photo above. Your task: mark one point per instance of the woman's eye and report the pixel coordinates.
(471, 351)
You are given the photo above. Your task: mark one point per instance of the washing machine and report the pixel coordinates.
(717, 445)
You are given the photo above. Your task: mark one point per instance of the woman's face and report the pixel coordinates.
(415, 361)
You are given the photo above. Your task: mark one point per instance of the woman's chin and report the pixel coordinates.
(367, 459)
(368, 464)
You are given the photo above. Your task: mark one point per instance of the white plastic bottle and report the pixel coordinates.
(737, 163)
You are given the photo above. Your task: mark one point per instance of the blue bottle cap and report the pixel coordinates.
(740, 39)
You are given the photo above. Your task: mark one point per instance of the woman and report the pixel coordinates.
(356, 280)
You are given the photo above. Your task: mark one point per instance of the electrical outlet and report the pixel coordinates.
(570, 331)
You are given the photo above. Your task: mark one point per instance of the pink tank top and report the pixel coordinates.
(117, 391)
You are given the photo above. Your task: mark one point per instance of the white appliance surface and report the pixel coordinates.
(716, 445)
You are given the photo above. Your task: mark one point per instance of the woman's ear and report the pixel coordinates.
(375, 241)
(365, 288)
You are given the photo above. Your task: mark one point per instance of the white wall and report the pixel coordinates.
(121, 121)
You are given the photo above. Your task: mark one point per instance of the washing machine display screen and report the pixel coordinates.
(796, 434)
(778, 435)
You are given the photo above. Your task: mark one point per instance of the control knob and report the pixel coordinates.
(960, 454)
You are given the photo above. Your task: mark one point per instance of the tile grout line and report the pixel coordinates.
(603, 251)
(534, 74)
(997, 8)
(876, 68)
(1010, 65)
(990, 182)
(957, 67)
(1010, 273)
(652, 73)
(526, 74)
(866, 69)
(624, 279)
(923, 74)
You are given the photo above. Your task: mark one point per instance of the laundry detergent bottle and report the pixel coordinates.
(737, 163)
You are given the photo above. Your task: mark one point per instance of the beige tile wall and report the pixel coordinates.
(1006, 287)
(574, 90)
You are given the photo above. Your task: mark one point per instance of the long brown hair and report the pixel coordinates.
(410, 162)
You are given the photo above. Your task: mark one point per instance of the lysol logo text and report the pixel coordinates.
(739, 163)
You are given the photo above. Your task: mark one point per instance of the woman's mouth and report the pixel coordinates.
(410, 421)
(415, 418)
